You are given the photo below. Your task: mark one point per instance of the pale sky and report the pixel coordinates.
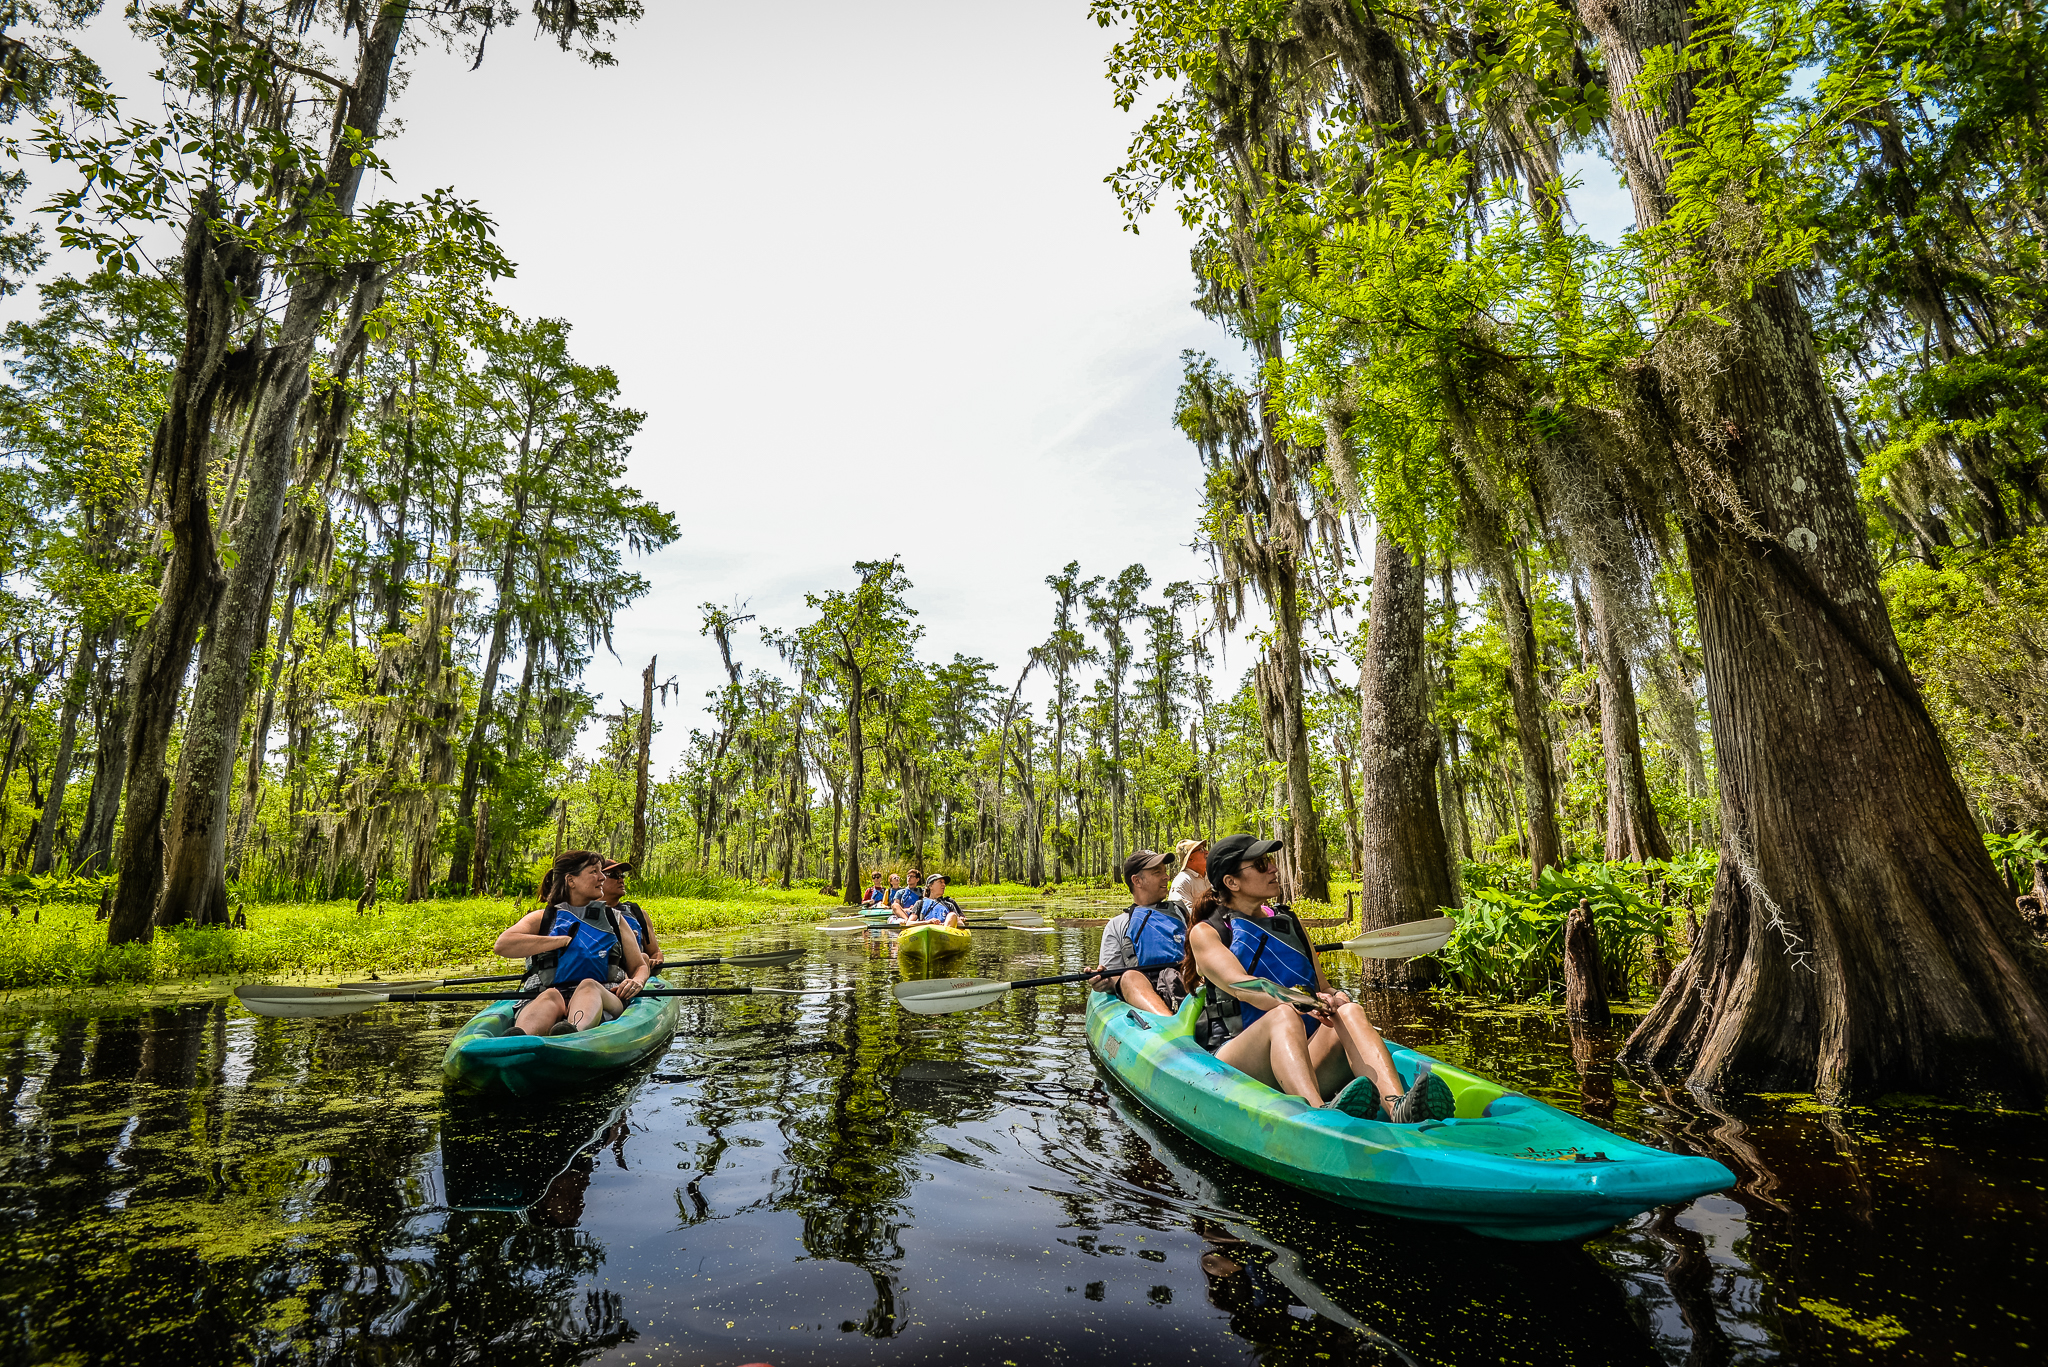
(859, 266)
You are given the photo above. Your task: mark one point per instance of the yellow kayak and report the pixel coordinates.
(930, 940)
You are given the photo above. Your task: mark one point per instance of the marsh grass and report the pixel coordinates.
(68, 948)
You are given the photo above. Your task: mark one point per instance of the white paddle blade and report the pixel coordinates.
(1409, 940)
(778, 958)
(381, 985)
(940, 996)
(837, 926)
(305, 1002)
(800, 991)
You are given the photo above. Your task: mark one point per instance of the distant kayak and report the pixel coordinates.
(929, 940)
(482, 1057)
(1507, 1166)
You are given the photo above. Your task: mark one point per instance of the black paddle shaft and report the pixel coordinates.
(1091, 973)
(529, 996)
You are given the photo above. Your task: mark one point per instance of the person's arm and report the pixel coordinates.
(653, 947)
(1215, 962)
(637, 967)
(1114, 960)
(521, 939)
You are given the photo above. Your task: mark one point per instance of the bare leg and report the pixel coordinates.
(1274, 1049)
(1353, 1049)
(1136, 989)
(591, 1003)
(539, 1016)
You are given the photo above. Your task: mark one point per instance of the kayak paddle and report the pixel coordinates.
(779, 958)
(943, 996)
(284, 1000)
(1409, 940)
(940, 996)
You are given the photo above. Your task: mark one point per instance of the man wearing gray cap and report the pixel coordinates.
(1142, 948)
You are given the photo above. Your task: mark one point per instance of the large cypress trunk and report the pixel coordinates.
(195, 884)
(1858, 938)
(1406, 865)
(216, 273)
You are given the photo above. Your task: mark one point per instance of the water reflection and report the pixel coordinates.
(833, 1180)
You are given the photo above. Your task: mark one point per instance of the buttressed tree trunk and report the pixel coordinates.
(1632, 828)
(1406, 873)
(215, 273)
(1858, 938)
(195, 883)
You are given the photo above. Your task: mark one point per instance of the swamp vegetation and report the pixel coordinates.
(1692, 570)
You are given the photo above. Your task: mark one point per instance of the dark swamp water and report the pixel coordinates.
(831, 1180)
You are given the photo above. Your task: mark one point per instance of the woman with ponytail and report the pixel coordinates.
(581, 968)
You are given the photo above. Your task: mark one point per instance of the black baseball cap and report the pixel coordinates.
(1143, 860)
(1233, 852)
(935, 878)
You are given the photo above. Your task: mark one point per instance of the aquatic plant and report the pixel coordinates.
(1510, 942)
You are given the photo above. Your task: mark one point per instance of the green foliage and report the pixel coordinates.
(68, 947)
(1974, 628)
(1511, 942)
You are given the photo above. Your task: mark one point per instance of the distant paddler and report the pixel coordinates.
(936, 906)
(583, 968)
(632, 913)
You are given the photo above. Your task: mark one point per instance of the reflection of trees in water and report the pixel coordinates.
(847, 1163)
(153, 1211)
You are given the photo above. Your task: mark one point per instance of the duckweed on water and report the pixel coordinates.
(828, 1181)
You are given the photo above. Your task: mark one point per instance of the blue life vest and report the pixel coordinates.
(1276, 950)
(637, 914)
(1157, 938)
(591, 954)
(909, 897)
(875, 895)
(935, 908)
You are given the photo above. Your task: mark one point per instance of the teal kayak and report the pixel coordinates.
(483, 1058)
(1507, 1165)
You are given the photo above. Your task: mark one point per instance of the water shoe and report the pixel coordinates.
(1429, 1099)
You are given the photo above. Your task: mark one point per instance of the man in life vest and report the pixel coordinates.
(936, 906)
(1142, 947)
(1304, 1051)
(580, 966)
(632, 913)
(912, 893)
(876, 895)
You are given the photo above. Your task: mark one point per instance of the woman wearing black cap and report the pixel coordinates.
(1264, 1037)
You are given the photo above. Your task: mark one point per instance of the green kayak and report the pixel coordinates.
(1507, 1166)
(482, 1057)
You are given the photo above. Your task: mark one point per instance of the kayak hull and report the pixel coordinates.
(930, 940)
(483, 1058)
(1508, 1166)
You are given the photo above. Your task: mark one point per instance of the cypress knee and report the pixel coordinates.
(1585, 997)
